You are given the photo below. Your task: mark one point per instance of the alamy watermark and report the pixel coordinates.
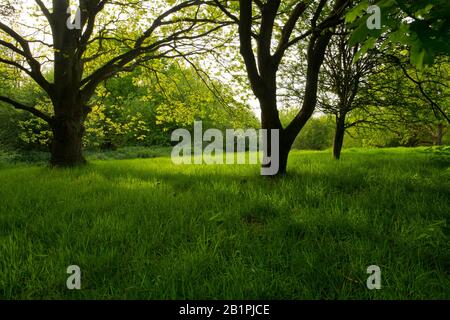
(263, 146)
(74, 19)
(374, 20)
(374, 280)
(74, 280)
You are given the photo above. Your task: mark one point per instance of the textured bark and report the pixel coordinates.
(284, 156)
(67, 145)
(339, 136)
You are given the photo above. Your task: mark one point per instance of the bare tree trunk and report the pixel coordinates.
(284, 156)
(68, 130)
(339, 136)
(270, 121)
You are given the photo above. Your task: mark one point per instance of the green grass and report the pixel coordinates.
(147, 229)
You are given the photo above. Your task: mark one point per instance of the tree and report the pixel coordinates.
(141, 107)
(82, 56)
(262, 62)
(420, 31)
(431, 82)
(404, 110)
(341, 82)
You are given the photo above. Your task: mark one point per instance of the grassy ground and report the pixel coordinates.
(147, 229)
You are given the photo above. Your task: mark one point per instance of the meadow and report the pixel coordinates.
(144, 228)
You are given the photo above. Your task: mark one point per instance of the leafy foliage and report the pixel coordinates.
(317, 134)
(137, 109)
(422, 26)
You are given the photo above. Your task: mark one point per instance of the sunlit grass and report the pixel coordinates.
(147, 229)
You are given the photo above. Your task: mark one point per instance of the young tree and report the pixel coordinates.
(405, 105)
(341, 82)
(275, 27)
(105, 37)
(431, 82)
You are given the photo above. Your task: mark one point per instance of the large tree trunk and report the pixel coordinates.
(69, 105)
(68, 131)
(270, 120)
(284, 156)
(339, 136)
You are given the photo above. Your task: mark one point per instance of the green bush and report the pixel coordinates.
(317, 134)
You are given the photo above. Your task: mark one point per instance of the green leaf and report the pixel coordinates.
(357, 11)
(359, 34)
(417, 56)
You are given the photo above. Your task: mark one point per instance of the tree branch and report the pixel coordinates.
(32, 62)
(45, 11)
(433, 103)
(32, 110)
(287, 31)
(245, 32)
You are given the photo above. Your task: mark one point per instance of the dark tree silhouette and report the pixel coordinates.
(81, 58)
(342, 79)
(258, 24)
